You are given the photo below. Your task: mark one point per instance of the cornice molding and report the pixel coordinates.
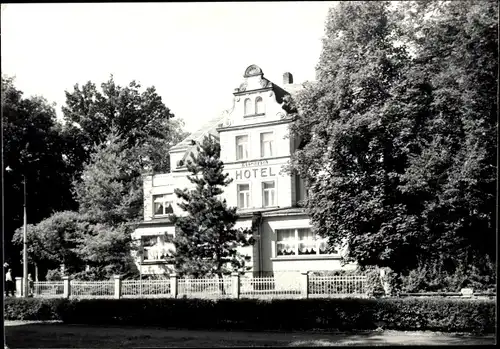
(260, 124)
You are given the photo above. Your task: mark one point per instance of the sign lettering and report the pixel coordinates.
(255, 173)
(254, 163)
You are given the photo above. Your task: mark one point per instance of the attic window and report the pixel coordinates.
(248, 107)
(259, 106)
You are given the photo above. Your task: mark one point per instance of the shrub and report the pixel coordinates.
(434, 277)
(33, 308)
(373, 282)
(435, 314)
(53, 275)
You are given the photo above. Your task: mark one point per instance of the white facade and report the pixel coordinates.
(255, 146)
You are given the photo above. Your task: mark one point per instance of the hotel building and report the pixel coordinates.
(255, 145)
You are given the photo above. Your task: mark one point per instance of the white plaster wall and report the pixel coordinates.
(282, 142)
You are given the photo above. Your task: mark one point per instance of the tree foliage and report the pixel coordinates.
(206, 241)
(107, 251)
(398, 134)
(34, 147)
(55, 240)
(110, 189)
(141, 118)
(108, 140)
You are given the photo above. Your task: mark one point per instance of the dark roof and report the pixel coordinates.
(209, 127)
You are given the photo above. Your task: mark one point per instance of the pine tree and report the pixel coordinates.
(206, 239)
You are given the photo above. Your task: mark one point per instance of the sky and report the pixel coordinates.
(195, 54)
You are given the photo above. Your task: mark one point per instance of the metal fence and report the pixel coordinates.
(92, 289)
(277, 285)
(335, 286)
(48, 289)
(205, 288)
(146, 288)
(281, 285)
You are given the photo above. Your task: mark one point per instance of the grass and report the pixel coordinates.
(23, 334)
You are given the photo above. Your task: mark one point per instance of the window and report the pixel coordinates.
(299, 242)
(268, 194)
(259, 106)
(243, 195)
(248, 107)
(307, 242)
(286, 243)
(266, 144)
(241, 147)
(163, 204)
(156, 247)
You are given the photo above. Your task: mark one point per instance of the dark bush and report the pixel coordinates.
(435, 314)
(33, 308)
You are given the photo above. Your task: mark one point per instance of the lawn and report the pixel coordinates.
(23, 334)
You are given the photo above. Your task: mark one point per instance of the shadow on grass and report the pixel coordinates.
(57, 335)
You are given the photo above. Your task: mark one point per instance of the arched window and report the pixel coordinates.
(248, 107)
(259, 106)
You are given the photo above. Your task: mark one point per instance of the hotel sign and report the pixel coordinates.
(257, 170)
(254, 163)
(256, 173)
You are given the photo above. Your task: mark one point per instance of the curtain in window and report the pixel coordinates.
(286, 242)
(307, 242)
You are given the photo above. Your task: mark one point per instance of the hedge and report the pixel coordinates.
(409, 314)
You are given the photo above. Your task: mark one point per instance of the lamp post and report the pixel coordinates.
(25, 244)
(25, 238)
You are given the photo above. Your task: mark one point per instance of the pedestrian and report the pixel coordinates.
(9, 285)
(30, 283)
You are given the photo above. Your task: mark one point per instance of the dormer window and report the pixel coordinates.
(259, 106)
(248, 107)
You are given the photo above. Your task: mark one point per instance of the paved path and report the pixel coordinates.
(22, 334)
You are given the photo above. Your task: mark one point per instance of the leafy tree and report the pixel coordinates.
(102, 149)
(141, 118)
(458, 162)
(110, 189)
(33, 146)
(107, 252)
(55, 240)
(110, 196)
(398, 133)
(206, 241)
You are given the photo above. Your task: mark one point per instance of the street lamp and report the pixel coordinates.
(25, 243)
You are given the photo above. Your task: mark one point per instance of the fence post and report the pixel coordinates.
(118, 286)
(467, 292)
(67, 286)
(235, 281)
(304, 276)
(19, 286)
(173, 285)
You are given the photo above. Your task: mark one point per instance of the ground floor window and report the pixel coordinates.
(301, 241)
(157, 247)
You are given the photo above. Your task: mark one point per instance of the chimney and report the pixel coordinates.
(287, 78)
